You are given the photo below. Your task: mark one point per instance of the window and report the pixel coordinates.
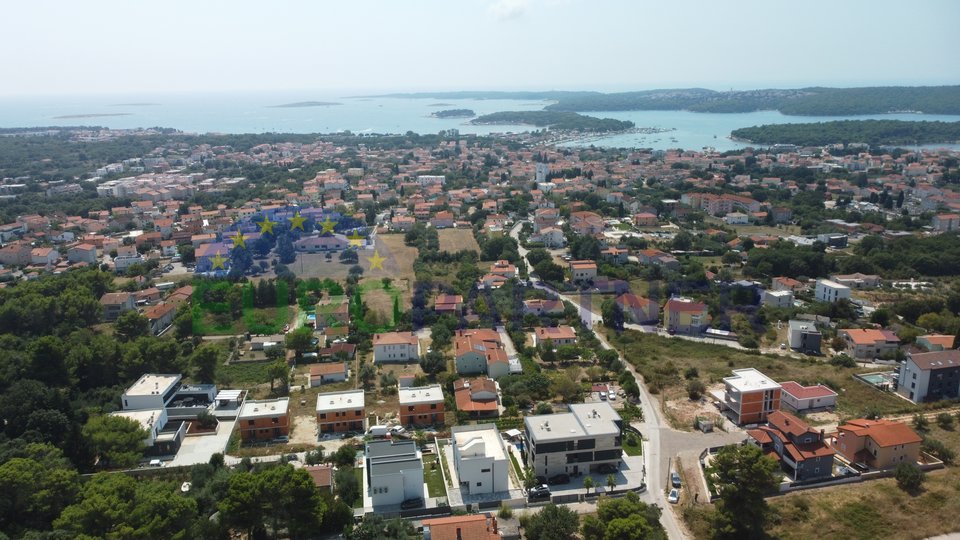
(479, 484)
(250, 422)
(410, 408)
(275, 420)
(433, 405)
(323, 415)
(484, 470)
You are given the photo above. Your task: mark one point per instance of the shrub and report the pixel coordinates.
(945, 421)
(920, 423)
(505, 512)
(909, 476)
(695, 389)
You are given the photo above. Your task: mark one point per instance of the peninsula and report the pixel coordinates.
(303, 104)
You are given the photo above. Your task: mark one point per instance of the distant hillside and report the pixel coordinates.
(873, 132)
(802, 101)
(554, 120)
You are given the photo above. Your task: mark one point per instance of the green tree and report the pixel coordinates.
(695, 389)
(611, 482)
(132, 325)
(743, 477)
(433, 363)
(552, 523)
(909, 476)
(205, 360)
(348, 488)
(36, 489)
(920, 423)
(345, 456)
(300, 340)
(279, 370)
(117, 441)
(241, 508)
(290, 501)
(119, 506)
(588, 483)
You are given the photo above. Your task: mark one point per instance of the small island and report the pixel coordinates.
(454, 113)
(559, 120)
(302, 104)
(92, 115)
(872, 132)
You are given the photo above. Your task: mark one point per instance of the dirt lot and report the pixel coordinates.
(380, 300)
(457, 239)
(316, 265)
(683, 412)
(399, 257)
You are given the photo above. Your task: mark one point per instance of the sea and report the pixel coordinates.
(261, 112)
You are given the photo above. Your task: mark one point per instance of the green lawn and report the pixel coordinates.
(358, 473)
(433, 477)
(253, 320)
(635, 449)
(516, 467)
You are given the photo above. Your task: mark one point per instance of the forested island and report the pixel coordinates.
(454, 113)
(873, 132)
(814, 101)
(569, 121)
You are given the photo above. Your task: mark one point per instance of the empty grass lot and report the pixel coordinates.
(454, 240)
(666, 360)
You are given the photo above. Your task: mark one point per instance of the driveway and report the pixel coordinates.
(198, 449)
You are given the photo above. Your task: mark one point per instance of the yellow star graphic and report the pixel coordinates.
(266, 226)
(297, 222)
(376, 261)
(218, 261)
(328, 226)
(356, 239)
(239, 240)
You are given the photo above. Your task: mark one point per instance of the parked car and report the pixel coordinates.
(674, 496)
(156, 463)
(411, 503)
(603, 396)
(539, 492)
(282, 439)
(606, 468)
(612, 396)
(559, 479)
(675, 480)
(542, 480)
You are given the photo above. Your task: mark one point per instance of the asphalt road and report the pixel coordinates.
(662, 442)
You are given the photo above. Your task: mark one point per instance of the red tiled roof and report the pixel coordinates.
(806, 392)
(883, 432)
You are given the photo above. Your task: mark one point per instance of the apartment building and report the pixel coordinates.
(574, 442)
(422, 406)
(684, 316)
(480, 351)
(339, 412)
(831, 291)
(396, 347)
(266, 419)
(750, 396)
(869, 343)
(583, 270)
(930, 376)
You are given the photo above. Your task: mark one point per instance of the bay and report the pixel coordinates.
(262, 112)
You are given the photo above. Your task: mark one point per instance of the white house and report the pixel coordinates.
(778, 299)
(394, 472)
(804, 337)
(396, 347)
(831, 291)
(480, 459)
(736, 218)
(805, 398)
(151, 391)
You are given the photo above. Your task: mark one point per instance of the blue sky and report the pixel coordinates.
(69, 47)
